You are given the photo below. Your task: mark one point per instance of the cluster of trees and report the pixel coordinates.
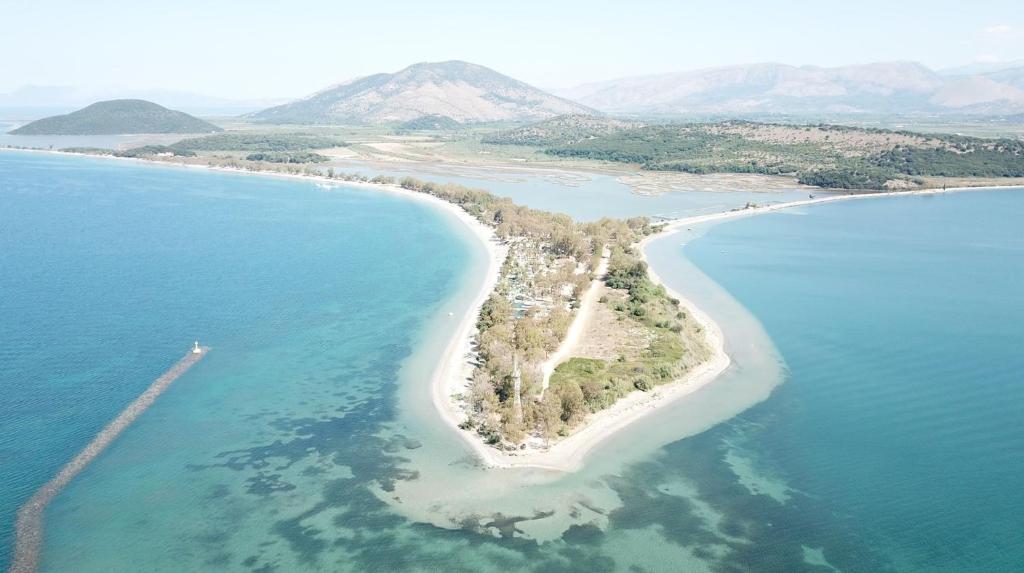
(428, 122)
(255, 142)
(954, 157)
(286, 157)
(554, 231)
(676, 343)
(580, 386)
(999, 158)
(505, 397)
(848, 177)
(561, 130)
(758, 166)
(146, 151)
(649, 145)
(545, 250)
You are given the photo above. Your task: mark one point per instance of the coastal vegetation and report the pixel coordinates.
(550, 263)
(145, 151)
(671, 344)
(259, 142)
(286, 157)
(551, 260)
(822, 155)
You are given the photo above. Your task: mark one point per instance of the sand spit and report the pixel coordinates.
(451, 374)
(29, 525)
(568, 454)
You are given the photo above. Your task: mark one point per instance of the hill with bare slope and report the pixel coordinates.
(461, 91)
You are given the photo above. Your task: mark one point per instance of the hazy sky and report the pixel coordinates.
(260, 48)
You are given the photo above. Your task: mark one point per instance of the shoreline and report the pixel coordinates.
(450, 375)
(673, 225)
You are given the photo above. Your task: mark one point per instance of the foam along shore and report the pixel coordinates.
(454, 368)
(28, 528)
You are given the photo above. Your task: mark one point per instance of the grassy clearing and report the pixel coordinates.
(676, 345)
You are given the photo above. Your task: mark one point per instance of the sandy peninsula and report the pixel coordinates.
(569, 453)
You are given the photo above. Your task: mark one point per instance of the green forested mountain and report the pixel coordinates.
(115, 117)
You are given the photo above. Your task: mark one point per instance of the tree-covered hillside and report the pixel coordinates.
(117, 117)
(823, 155)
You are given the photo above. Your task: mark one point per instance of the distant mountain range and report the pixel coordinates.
(443, 95)
(31, 102)
(461, 91)
(881, 88)
(117, 117)
(981, 68)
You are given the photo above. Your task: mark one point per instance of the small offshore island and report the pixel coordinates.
(118, 117)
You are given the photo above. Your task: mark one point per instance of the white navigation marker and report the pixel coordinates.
(196, 349)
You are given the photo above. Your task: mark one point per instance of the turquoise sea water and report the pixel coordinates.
(310, 300)
(897, 439)
(893, 443)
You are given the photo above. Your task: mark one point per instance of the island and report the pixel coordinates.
(118, 117)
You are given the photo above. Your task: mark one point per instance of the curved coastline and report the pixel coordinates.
(452, 370)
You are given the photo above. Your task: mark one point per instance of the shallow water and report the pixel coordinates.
(310, 300)
(52, 142)
(897, 439)
(286, 448)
